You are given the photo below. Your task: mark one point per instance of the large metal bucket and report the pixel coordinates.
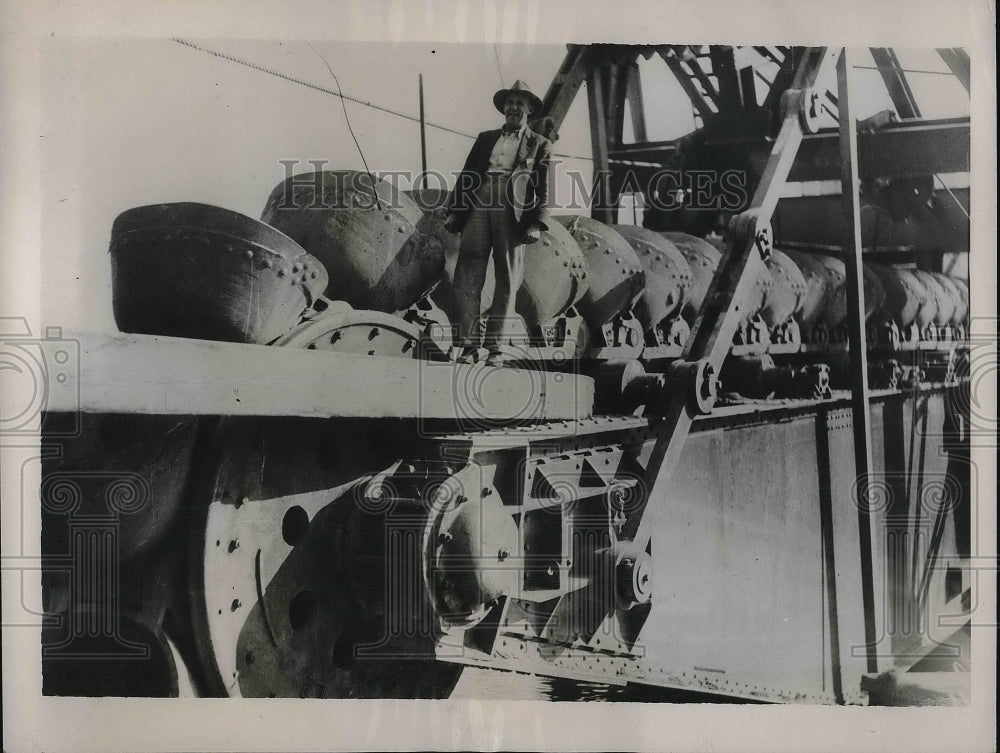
(365, 233)
(787, 291)
(616, 276)
(818, 287)
(944, 301)
(667, 274)
(556, 276)
(703, 259)
(194, 270)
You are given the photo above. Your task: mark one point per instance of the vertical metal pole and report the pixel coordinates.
(423, 135)
(829, 552)
(850, 190)
(601, 209)
(724, 70)
(637, 111)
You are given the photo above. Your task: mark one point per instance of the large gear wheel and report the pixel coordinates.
(290, 593)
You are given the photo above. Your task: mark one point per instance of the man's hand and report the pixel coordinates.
(530, 234)
(452, 224)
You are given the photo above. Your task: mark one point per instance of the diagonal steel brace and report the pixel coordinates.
(747, 246)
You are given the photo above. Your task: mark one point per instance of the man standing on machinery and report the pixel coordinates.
(499, 205)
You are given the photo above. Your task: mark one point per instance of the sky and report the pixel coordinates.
(129, 122)
(135, 122)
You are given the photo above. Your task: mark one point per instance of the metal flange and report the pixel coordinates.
(807, 102)
(698, 379)
(750, 226)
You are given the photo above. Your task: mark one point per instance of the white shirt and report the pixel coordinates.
(505, 152)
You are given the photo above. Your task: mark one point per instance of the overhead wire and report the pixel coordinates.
(496, 54)
(324, 90)
(951, 193)
(316, 87)
(347, 119)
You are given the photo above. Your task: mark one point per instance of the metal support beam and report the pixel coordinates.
(724, 70)
(858, 345)
(699, 102)
(767, 53)
(957, 60)
(601, 208)
(633, 93)
(177, 376)
(895, 82)
(783, 78)
(899, 149)
(568, 79)
(614, 101)
(748, 87)
(712, 334)
(706, 83)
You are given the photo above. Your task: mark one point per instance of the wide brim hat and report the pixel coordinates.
(518, 87)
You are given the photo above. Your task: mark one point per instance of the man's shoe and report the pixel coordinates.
(457, 354)
(469, 356)
(495, 359)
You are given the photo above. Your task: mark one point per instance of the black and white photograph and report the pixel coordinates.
(450, 376)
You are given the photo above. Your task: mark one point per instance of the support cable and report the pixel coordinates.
(292, 79)
(347, 119)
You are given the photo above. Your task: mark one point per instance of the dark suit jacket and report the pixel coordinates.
(529, 179)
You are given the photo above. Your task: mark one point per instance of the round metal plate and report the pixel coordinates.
(345, 330)
(274, 607)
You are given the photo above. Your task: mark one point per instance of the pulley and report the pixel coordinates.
(469, 549)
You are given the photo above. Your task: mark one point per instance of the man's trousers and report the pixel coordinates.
(490, 227)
